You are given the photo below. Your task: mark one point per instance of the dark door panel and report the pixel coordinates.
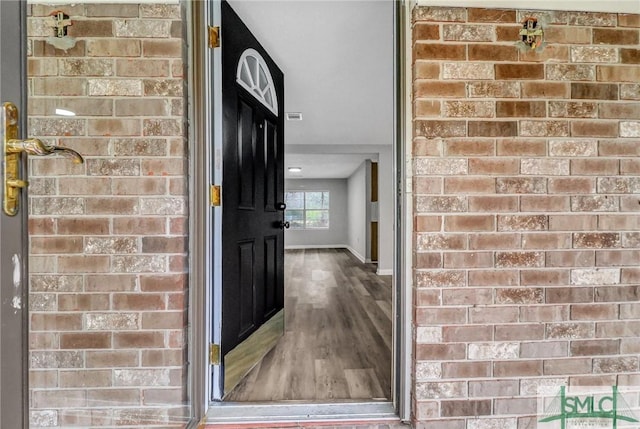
(270, 276)
(270, 166)
(253, 182)
(247, 287)
(246, 151)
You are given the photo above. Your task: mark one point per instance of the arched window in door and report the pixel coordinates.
(254, 76)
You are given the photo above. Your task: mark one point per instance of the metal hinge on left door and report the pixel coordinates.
(214, 37)
(215, 192)
(214, 354)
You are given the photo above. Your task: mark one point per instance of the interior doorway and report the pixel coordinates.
(339, 142)
(303, 130)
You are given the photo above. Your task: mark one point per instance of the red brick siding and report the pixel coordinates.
(108, 261)
(526, 199)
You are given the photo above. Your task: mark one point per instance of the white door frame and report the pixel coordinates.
(205, 222)
(205, 144)
(403, 263)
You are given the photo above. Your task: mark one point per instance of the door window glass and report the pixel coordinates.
(254, 76)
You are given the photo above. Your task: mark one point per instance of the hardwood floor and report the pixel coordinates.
(239, 361)
(337, 341)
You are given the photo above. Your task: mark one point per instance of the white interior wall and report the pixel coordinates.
(386, 218)
(356, 212)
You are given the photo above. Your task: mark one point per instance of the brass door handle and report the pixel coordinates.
(12, 149)
(39, 148)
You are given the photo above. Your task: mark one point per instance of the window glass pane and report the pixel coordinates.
(317, 200)
(268, 98)
(307, 209)
(263, 80)
(317, 218)
(244, 74)
(294, 200)
(252, 62)
(295, 217)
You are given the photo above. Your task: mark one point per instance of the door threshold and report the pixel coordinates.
(296, 414)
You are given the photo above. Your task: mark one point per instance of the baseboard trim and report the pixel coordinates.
(387, 272)
(358, 256)
(316, 246)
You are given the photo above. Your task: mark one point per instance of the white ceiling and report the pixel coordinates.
(324, 166)
(337, 59)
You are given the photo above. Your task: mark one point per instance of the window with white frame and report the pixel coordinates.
(307, 209)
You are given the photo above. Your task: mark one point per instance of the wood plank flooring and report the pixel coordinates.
(239, 361)
(337, 341)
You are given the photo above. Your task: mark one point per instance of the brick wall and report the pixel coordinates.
(108, 282)
(527, 234)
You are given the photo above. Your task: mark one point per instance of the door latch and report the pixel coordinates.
(13, 147)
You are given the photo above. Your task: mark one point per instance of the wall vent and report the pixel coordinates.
(294, 116)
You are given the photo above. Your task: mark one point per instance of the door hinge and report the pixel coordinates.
(214, 354)
(214, 195)
(214, 37)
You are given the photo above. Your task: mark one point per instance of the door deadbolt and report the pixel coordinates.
(284, 224)
(13, 147)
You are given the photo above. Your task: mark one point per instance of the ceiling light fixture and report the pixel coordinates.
(295, 169)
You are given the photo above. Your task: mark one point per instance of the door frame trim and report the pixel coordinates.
(201, 216)
(14, 311)
(403, 239)
(205, 259)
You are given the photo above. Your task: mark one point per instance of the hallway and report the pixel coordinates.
(337, 341)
